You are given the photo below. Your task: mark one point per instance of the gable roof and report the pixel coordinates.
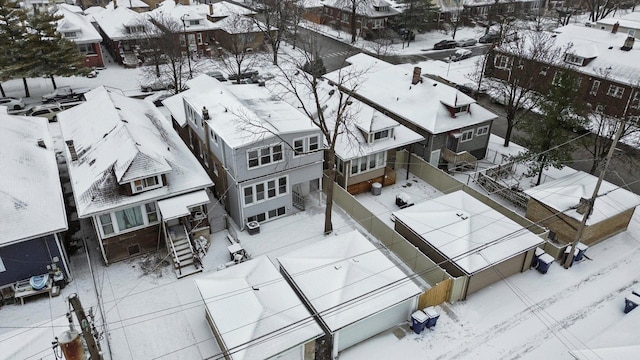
(226, 8)
(365, 8)
(124, 139)
(129, 4)
(422, 104)
(239, 24)
(182, 14)
(346, 279)
(31, 203)
(232, 107)
(72, 21)
(470, 233)
(113, 21)
(564, 193)
(254, 310)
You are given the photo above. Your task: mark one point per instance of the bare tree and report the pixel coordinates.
(312, 94)
(242, 37)
(381, 46)
(600, 9)
(604, 129)
(276, 17)
(517, 67)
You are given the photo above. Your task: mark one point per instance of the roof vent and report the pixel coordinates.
(72, 150)
(628, 44)
(42, 144)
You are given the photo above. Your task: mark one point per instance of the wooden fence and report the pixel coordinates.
(438, 294)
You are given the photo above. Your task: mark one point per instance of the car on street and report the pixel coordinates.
(218, 75)
(445, 44)
(12, 103)
(460, 54)
(466, 42)
(50, 111)
(65, 93)
(155, 85)
(489, 38)
(245, 74)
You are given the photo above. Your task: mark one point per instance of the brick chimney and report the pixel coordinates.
(115, 4)
(210, 9)
(615, 27)
(417, 71)
(72, 150)
(42, 144)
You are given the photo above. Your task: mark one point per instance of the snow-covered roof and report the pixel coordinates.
(564, 193)
(365, 8)
(85, 33)
(239, 24)
(178, 206)
(124, 139)
(347, 279)
(465, 230)
(226, 8)
(629, 24)
(421, 104)
(610, 61)
(112, 21)
(255, 311)
(186, 13)
(129, 4)
(31, 203)
(233, 108)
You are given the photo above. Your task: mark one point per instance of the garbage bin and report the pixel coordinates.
(636, 292)
(253, 227)
(581, 250)
(418, 321)
(432, 316)
(538, 252)
(631, 302)
(544, 261)
(376, 188)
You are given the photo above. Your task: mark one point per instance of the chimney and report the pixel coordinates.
(583, 205)
(115, 4)
(41, 144)
(72, 150)
(417, 71)
(615, 27)
(628, 44)
(210, 9)
(205, 114)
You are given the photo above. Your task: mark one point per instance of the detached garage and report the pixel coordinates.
(351, 287)
(468, 238)
(254, 314)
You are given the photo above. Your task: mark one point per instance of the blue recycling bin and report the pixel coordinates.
(631, 302)
(544, 262)
(582, 248)
(432, 316)
(418, 321)
(538, 252)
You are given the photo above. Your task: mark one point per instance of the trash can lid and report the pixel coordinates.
(539, 251)
(419, 316)
(582, 246)
(546, 258)
(431, 312)
(376, 185)
(633, 298)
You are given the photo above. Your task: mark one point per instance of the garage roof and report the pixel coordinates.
(347, 279)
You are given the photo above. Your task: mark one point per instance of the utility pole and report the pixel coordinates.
(94, 348)
(569, 260)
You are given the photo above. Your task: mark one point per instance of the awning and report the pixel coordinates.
(455, 134)
(178, 206)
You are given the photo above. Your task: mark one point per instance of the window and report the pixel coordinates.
(557, 77)
(199, 38)
(483, 130)
(265, 190)
(460, 109)
(259, 192)
(635, 102)
(305, 145)
(194, 22)
(572, 59)
(248, 195)
(215, 168)
(213, 136)
(271, 189)
(377, 23)
(615, 91)
(264, 156)
(467, 135)
(107, 224)
(276, 212)
(198, 212)
(205, 158)
(86, 49)
(633, 120)
(544, 69)
(282, 185)
(190, 138)
(146, 184)
(594, 87)
(298, 147)
(339, 165)
(129, 218)
(599, 109)
(345, 17)
(502, 62)
(152, 213)
(70, 34)
(368, 163)
(381, 135)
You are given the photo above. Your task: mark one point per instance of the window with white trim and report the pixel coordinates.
(635, 102)
(198, 212)
(152, 212)
(2, 267)
(339, 165)
(502, 62)
(264, 156)
(573, 59)
(129, 218)
(266, 190)
(107, 224)
(205, 158)
(466, 135)
(213, 137)
(149, 183)
(377, 23)
(199, 38)
(215, 168)
(633, 120)
(615, 91)
(305, 145)
(367, 163)
(594, 87)
(194, 22)
(557, 78)
(86, 49)
(482, 130)
(70, 34)
(380, 135)
(599, 109)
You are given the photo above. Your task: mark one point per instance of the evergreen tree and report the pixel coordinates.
(52, 54)
(13, 62)
(548, 141)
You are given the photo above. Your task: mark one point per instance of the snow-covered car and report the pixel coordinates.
(444, 44)
(466, 42)
(216, 74)
(12, 103)
(156, 85)
(65, 93)
(50, 111)
(460, 54)
(156, 98)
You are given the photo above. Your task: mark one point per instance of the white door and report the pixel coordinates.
(435, 157)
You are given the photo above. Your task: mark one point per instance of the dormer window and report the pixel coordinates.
(381, 8)
(380, 135)
(134, 29)
(461, 109)
(145, 184)
(573, 59)
(70, 34)
(194, 22)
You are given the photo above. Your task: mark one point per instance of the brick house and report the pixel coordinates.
(606, 64)
(77, 28)
(371, 15)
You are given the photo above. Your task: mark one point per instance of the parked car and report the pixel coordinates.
(218, 75)
(472, 90)
(460, 54)
(155, 85)
(489, 38)
(445, 44)
(65, 93)
(157, 97)
(12, 103)
(466, 42)
(50, 111)
(245, 74)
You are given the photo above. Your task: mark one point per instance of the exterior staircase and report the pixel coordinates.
(462, 159)
(298, 200)
(184, 258)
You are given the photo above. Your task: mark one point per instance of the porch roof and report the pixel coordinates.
(178, 206)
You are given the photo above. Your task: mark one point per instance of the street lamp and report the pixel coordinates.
(186, 42)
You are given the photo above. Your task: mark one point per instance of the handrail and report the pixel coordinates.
(175, 254)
